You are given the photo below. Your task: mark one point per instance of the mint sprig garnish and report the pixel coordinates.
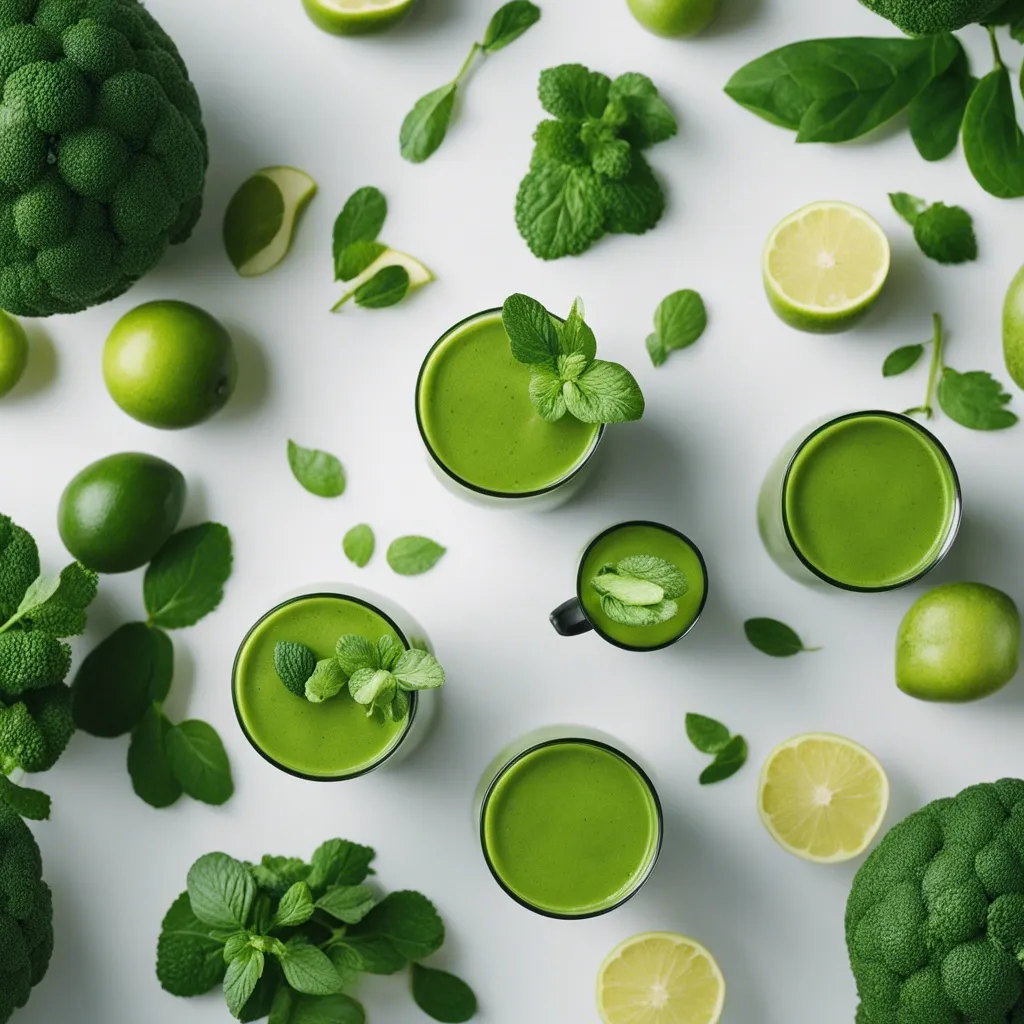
(640, 590)
(565, 376)
(380, 675)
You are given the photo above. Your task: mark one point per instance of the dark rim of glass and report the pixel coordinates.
(413, 697)
(659, 526)
(954, 522)
(644, 778)
(469, 485)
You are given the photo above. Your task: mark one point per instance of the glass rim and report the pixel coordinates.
(659, 818)
(462, 481)
(373, 766)
(951, 530)
(668, 529)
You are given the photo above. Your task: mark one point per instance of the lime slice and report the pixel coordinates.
(822, 797)
(261, 217)
(824, 266)
(419, 274)
(356, 17)
(660, 978)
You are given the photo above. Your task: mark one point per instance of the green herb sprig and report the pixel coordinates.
(774, 638)
(679, 321)
(123, 683)
(711, 737)
(588, 175)
(380, 675)
(640, 590)
(288, 939)
(565, 375)
(426, 125)
(974, 399)
(943, 233)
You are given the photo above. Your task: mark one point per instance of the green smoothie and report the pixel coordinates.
(474, 409)
(644, 539)
(870, 500)
(332, 740)
(571, 828)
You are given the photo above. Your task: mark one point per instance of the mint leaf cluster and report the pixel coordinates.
(287, 939)
(378, 675)
(711, 737)
(588, 175)
(943, 233)
(640, 590)
(37, 613)
(565, 375)
(124, 681)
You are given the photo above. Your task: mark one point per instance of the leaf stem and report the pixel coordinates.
(996, 55)
(477, 48)
(341, 302)
(933, 370)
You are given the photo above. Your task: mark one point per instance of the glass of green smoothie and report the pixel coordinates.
(640, 585)
(864, 501)
(570, 826)
(336, 739)
(486, 441)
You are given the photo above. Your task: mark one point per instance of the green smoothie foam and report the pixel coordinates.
(331, 740)
(870, 501)
(473, 403)
(571, 828)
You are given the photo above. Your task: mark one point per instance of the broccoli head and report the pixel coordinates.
(35, 731)
(26, 914)
(102, 151)
(19, 565)
(931, 17)
(935, 919)
(31, 660)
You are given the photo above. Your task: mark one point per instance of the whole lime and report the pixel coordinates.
(169, 364)
(13, 352)
(356, 17)
(674, 18)
(1013, 329)
(117, 513)
(958, 642)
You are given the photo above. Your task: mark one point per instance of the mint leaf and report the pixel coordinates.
(185, 581)
(354, 652)
(386, 288)
(339, 862)
(120, 678)
(573, 92)
(634, 204)
(627, 590)
(373, 688)
(372, 954)
(29, 803)
(294, 664)
(426, 125)
(907, 206)
(442, 995)
(333, 1009)
(295, 908)
(605, 393)
(398, 709)
(319, 472)
(531, 330)
(774, 638)
(656, 350)
(946, 234)
(655, 570)
(347, 903)
(558, 142)
(359, 222)
(260, 1003)
(413, 555)
(649, 119)
(327, 680)
(408, 921)
(199, 762)
(901, 359)
(389, 650)
(575, 338)
(560, 210)
(221, 892)
(936, 114)
(240, 979)
(509, 23)
(308, 969)
(546, 393)
(975, 399)
(355, 258)
(992, 139)
(148, 764)
(679, 321)
(358, 545)
(62, 614)
(235, 944)
(612, 158)
(706, 734)
(729, 760)
(638, 615)
(189, 962)
(418, 670)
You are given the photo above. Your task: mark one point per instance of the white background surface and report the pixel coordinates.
(276, 90)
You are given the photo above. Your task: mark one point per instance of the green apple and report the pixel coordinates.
(674, 18)
(1013, 329)
(958, 642)
(13, 352)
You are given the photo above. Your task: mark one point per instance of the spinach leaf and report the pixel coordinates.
(936, 115)
(993, 141)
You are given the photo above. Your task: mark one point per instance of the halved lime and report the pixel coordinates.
(419, 274)
(260, 219)
(824, 266)
(356, 17)
(660, 978)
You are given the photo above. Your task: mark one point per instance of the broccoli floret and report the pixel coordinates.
(935, 919)
(31, 660)
(35, 731)
(26, 914)
(102, 151)
(930, 17)
(64, 613)
(19, 563)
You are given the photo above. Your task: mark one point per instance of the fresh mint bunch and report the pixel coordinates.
(37, 613)
(640, 590)
(943, 233)
(565, 375)
(378, 675)
(287, 939)
(588, 175)
(426, 125)
(124, 681)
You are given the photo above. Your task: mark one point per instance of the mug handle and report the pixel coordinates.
(569, 619)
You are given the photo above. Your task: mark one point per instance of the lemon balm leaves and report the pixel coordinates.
(975, 399)
(317, 471)
(992, 139)
(414, 555)
(185, 581)
(774, 638)
(679, 321)
(943, 233)
(358, 545)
